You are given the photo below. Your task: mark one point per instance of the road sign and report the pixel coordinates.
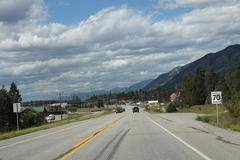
(16, 107)
(216, 97)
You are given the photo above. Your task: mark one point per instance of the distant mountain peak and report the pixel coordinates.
(226, 59)
(235, 46)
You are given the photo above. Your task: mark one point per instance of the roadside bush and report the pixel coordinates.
(29, 118)
(234, 108)
(172, 107)
(203, 118)
(153, 108)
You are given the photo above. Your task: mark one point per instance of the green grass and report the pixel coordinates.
(153, 108)
(203, 109)
(226, 121)
(70, 119)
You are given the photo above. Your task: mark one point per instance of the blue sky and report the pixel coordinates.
(74, 11)
(71, 46)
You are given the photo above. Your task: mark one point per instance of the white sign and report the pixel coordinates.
(16, 107)
(216, 97)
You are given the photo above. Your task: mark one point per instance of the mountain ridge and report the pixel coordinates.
(133, 87)
(221, 61)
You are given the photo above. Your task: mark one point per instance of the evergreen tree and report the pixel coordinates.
(7, 117)
(229, 78)
(14, 93)
(199, 86)
(4, 103)
(210, 83)
(222, 86)
(236, 83)
(186, 91)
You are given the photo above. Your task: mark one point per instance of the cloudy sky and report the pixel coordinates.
(47, 46)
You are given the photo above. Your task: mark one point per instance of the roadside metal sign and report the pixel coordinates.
(216, 97)
(16, 107)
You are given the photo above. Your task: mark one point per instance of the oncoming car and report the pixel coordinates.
(135, 109)
(120, 110)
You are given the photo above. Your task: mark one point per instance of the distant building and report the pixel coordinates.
(138, 103)
(173, 97)
(63, 105)
(56, 107)
(153, 102)
(38, 109)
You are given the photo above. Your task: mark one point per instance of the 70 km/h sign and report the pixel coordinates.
(216, 99)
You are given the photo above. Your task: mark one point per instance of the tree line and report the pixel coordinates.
(160, 94)
(27, 118)
(196, 90)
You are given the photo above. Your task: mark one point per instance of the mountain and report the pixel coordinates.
(86, 95)
(163, 78)
(138, 86)
(134, 87)
(220, 62)
(118, 89)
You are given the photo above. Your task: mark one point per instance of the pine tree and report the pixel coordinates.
(229, 78)
(186, 91)
(236, 82)
(210, 83)
(199, 86)
(14, 93)
(7, 117)
(4, 103)
(222, 86)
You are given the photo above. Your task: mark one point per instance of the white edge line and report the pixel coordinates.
(37, 137)
(179, 139)
(44, 135)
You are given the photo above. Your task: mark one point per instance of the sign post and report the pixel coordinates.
(17, 109)
(216, 99)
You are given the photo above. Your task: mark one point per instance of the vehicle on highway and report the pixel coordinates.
(135, 109)
(50, 117)
(120, 110)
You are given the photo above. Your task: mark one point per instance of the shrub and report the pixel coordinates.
(172, 107)
(29, 118)
(234, 108)
(203, 118)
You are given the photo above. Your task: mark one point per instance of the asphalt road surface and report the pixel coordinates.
(127, 136)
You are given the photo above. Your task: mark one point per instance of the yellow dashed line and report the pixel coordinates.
(89, 139)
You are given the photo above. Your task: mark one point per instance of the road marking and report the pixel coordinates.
(34, 138)
(44, 135)
(179, 139)
(89, 139)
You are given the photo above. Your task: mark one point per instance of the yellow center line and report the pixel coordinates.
(89, 139)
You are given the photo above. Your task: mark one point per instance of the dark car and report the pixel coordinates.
(119, 110)
(135, 109)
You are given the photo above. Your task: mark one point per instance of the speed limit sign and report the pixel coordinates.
(216, 97)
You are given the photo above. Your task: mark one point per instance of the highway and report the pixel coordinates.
(127, 136)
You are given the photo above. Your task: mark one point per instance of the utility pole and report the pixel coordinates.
(17, 119)
(60, 100)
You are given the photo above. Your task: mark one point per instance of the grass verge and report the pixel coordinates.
(71, 119)
(203, 109)
(225, 121)
(154, 108)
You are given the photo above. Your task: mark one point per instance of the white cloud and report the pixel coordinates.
(170, 4)
(114, 47)
(12, 11)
